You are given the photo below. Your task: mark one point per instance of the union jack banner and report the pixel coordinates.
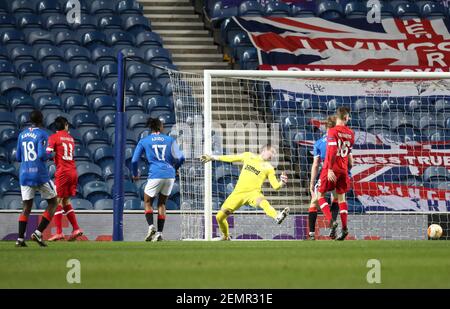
(354, 44)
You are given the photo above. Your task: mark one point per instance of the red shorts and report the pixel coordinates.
(66, 184)
(342, 184)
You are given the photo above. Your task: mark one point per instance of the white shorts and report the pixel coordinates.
(160, 185)
(47, 191)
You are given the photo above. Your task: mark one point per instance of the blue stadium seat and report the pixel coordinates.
(12, 38)
(77, 55)
(57, 22)
(10, 190)
(40, 38)
(110, 23)
(436, 173)
(147, 38)
(158, 56)
(95, 138)
(119, 39)
(130, 137)
(7, 171)
(4, 9)
(108, 172)
(45, 53)
(168, 119)
(407, 11)
(355, 9)
(23, 6)
(49, 7)
(156, 103)
(89, 172)
(51, 169)
(366, 104)
(51, 102)
(81, 154)
(93, 39)
(221, 11)
(432, 10)
(101, 8)
(39, 87)
(29, 22)
(277, 8)
(81, 120)
(7, 70)
(21, 103)
(103, 105)
(105, 204)
(7, 22)
(428, 121)
(387, 11)
(67, 88)
(134, 103)
(239, 43)
(81, 204)
(67, 38)
(129, 88)
(23, 120)
(249, 59)
(389, 105)
(133, 204)
(84, 72)
(108, 120)
(130, 190)
(103, 55)
(303, 9)
(137, 121)
(250, 8)
(15, 204)
(136, 24)
(3, 156)
(76, 102)
(94, 88)
(20, 54)
(12, 86)
(29, 70)
(4, 54)
(58, 71)
(96, 191)
(88, 23)
(442, 105)
(128, 8)
(376, 121)
(149, 89)
(103, 156)
(132, 53)
(328, 9)
(138, 73)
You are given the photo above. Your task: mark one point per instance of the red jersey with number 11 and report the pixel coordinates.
(340, 140)
(63, 144)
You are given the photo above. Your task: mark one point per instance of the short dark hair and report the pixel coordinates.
(342, 111)
(36, 118)
(331, 122)
(154, 124)
(60, 123)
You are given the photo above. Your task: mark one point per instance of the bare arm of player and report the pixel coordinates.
(314, 173)
(332, 150)
(226, 158)
(135, 159)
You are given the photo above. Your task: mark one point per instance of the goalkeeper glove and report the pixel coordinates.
(284, 178)
(206, 158)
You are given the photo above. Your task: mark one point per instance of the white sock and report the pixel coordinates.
(38, 233)
(19, 239)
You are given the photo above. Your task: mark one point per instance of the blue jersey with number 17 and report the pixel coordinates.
(31, 152)
(163, 155)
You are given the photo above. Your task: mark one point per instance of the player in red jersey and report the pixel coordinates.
(334, 175)
(66, 177)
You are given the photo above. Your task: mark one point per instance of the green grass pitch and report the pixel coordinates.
(235, 264)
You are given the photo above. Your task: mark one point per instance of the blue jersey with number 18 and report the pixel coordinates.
(31, 152)
(163, 155)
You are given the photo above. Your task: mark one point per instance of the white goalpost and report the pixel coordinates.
(401, 175)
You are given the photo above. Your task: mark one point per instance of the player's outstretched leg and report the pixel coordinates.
(23, 220)
(45, 221)
(221, 218)
(312, 218)
(161, 216)
(57, 219)
(344, 215)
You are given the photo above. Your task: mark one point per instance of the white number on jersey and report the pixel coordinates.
(29, 153)
(157, 148)
(68, 152)
(343, 148)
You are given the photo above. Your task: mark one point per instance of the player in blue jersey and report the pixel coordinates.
(164, 157)
(319, 153)
(31, 153)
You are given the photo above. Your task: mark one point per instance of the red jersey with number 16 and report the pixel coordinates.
(63, 144)
(340, 140)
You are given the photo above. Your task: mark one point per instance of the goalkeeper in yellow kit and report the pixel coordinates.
(247, 191)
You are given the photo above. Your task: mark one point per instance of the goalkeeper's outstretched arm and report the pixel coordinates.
(274, 181)
(225, 158)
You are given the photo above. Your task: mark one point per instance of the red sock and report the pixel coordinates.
(344, 213)
(57, 218)
(71, 216)
(312, 209)
(325, 208)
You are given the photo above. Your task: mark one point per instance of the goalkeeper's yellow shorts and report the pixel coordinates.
(237, 199)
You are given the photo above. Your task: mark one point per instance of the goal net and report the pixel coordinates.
(401, 173)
